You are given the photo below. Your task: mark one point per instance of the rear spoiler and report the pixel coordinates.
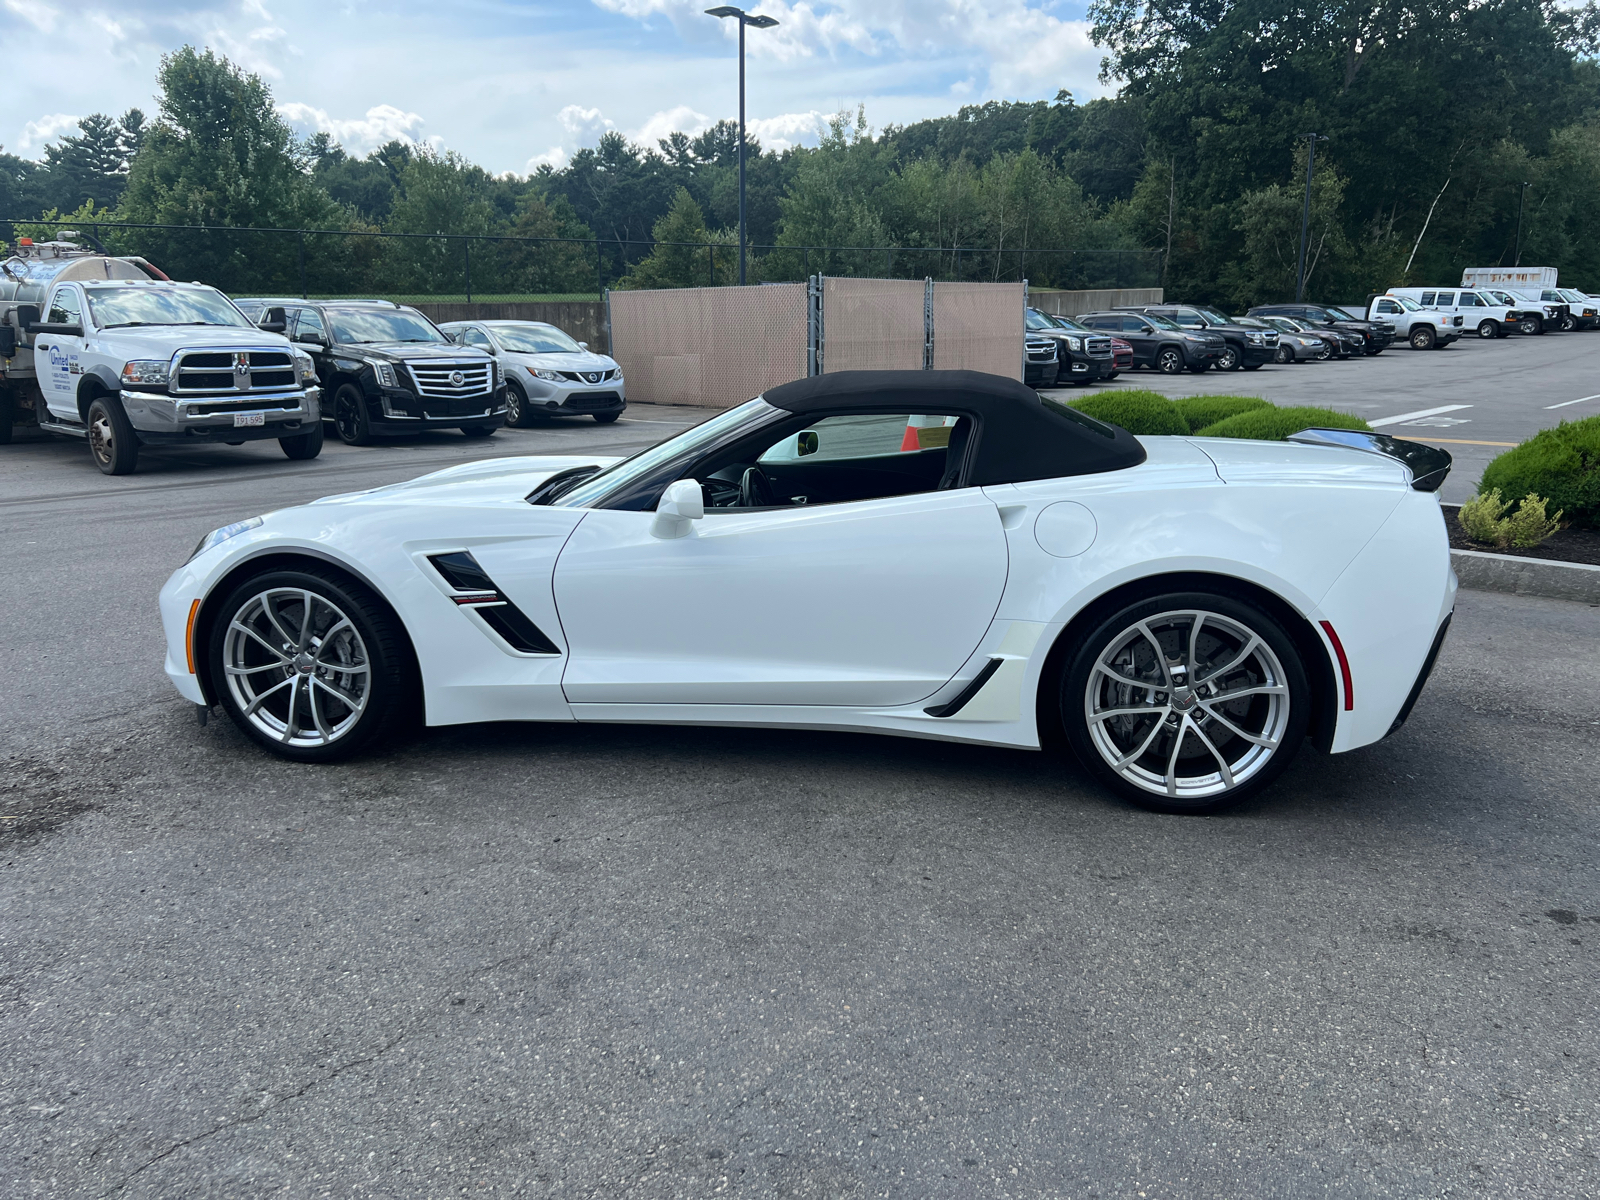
(1427, 464)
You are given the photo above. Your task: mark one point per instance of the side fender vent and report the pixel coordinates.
(475, 590)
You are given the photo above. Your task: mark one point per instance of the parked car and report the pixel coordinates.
(1121, 357)
(1554, 311)
(1247, 347)
(386, 368)
(1584, 308)
(1487, 314)
(1041, 362)
(1302, 343)
(547, 373)
(1376, 335)
(1420, 328)
(1082, 355)
(1158, 342)
(784, 562)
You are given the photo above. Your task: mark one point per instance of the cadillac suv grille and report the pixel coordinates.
(452, 380)
(201, 371)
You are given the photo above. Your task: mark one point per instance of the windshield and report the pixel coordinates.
(357, 325)
(1034, 319)
(1569, 294)
(1069, 323)
(119, 308)
(534, 339)
(1213, 315)
(1286, 324)
(1161, 322)
(1339, 314)
(1504, 297)
(1407, 303)
(619, 475)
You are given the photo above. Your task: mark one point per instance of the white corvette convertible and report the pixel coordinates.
(933, 554)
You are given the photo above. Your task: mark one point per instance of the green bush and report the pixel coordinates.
(1137, 411)
(1200, 411)
(1276, 424)
(1560, 464)
(1484, 519)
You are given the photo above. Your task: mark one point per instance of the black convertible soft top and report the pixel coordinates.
(1019, 435)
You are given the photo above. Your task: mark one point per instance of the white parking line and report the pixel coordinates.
(1412, 416)
(1564, 403)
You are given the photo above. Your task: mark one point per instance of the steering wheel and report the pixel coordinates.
(755, 489)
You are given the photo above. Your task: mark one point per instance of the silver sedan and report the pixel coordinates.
(547, 373)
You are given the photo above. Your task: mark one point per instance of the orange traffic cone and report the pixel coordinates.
(925, 433)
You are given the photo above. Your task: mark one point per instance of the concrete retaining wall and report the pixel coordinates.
(1485, 572)
(1070, 304)
(582, 320)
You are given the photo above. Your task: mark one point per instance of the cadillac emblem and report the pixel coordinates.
(241, 372)
(457, 379)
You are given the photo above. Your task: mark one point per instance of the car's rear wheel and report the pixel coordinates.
(310, 666)
(1488, 329)
(1170, 360)
(350, 419)
(112, 443)
(1422, 338)
(1187, 702)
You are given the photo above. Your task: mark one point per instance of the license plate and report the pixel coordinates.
(240, 420)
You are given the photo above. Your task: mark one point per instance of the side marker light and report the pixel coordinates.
(1344, 665)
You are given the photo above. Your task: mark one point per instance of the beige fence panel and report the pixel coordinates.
(874, 324)
(978, 327)
(1070, 304)
(715, 347)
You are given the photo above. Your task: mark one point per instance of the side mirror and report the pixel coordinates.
(583, 345)
(8, 341)
(311, 339)
(275, 321)
(807, 442)
(27, 316)
(683, 502)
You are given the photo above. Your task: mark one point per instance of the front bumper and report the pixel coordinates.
(398, 409)
(1251, 355)
(160, 419)
(1041, 375)
(568, 397)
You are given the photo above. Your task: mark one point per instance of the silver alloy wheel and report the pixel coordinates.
(102, 440)
(1187, 705)
(296, 667)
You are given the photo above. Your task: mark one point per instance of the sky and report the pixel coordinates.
(511, 84)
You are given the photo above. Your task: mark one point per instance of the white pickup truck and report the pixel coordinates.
(97, 347)
(1423, 328)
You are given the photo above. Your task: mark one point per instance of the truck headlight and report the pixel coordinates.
(1255, 339)
(217, 536)
(499, 375)
(1072, 344)
(307, 368)
(145, 372)
(384, 372)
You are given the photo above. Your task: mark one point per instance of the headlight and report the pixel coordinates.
(145, 371)
(1255, 339)
(217, 536)
(384, 371)
(499, 374)
(1072, 344)
(551, 376)
(307, 367)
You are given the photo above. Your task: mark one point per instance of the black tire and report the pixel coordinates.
(303, 446)
(373, 638)
(1422, 338)
(478, 431)
(516, 404)
(1324, 353)
(1568, 324)
(1280, 718)
(112, 442)
(1250, 366)
(605, 418)
(1113, 375)
(8, 414)
(1169, 360)
(1530, 326)
(350, 419)
(1489, 328)
(1374, 351)
(1229, 361)
(1285, 354)
(1199, 368)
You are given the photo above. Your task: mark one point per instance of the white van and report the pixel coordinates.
(1481, 309)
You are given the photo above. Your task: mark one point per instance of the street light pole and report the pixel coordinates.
(1305, 216)
(759, 22)
(1522, 194)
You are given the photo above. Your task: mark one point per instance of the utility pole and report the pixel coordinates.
(1522, 194)
(759, 22)
(1305, 216)
(1172, 201)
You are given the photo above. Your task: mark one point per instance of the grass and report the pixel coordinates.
(1201, 411)
(1560, 464)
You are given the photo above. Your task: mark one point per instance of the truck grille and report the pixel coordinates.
(589, 376)
(452, 380)
(1097, 347)
(1041, 350)
(201, 371)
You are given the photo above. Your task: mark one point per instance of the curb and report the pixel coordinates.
(1486, 572)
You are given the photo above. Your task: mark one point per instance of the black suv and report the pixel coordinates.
(385, 368)
(1375, 335)
(1247, 347)
(1083, 356)
(1158, 342)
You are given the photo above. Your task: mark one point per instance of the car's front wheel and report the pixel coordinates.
(1285, 354)
(606, 418)
(1422, 337)
(350, 416)
(478, 431)
(311, 666)
(1488, 328)
(1170, 361)
(1530, 326)
(516, 404)
(112, 442)
(1228, 360)
(1186, 702)
(303, 446)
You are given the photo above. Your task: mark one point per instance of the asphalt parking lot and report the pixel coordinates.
(603, 961)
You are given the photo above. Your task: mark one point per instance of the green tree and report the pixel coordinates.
(686, 254)
(90, 165)
(549, 268)
(442, 193)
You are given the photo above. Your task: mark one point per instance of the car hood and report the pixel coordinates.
(394, 351)
(489, 481)
(161, 341)
(564, 360)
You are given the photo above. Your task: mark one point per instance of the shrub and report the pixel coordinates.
(1201, 411)
(1560, 464)
(1484, 519)
(1139, 412)
(1276, 424)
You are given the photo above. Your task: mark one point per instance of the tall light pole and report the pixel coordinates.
(1305, 216)
(1522, 195)
(759, 22)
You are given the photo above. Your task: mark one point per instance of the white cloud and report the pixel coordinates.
(584, 124)
(791, 129)
(555, 157)
(360, 135)
(37, 133)
(41, 16)
(672, 120)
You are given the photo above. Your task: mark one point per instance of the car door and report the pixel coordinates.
(57, 356)
(870, 602)
(1143, 337)
(310, 333)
